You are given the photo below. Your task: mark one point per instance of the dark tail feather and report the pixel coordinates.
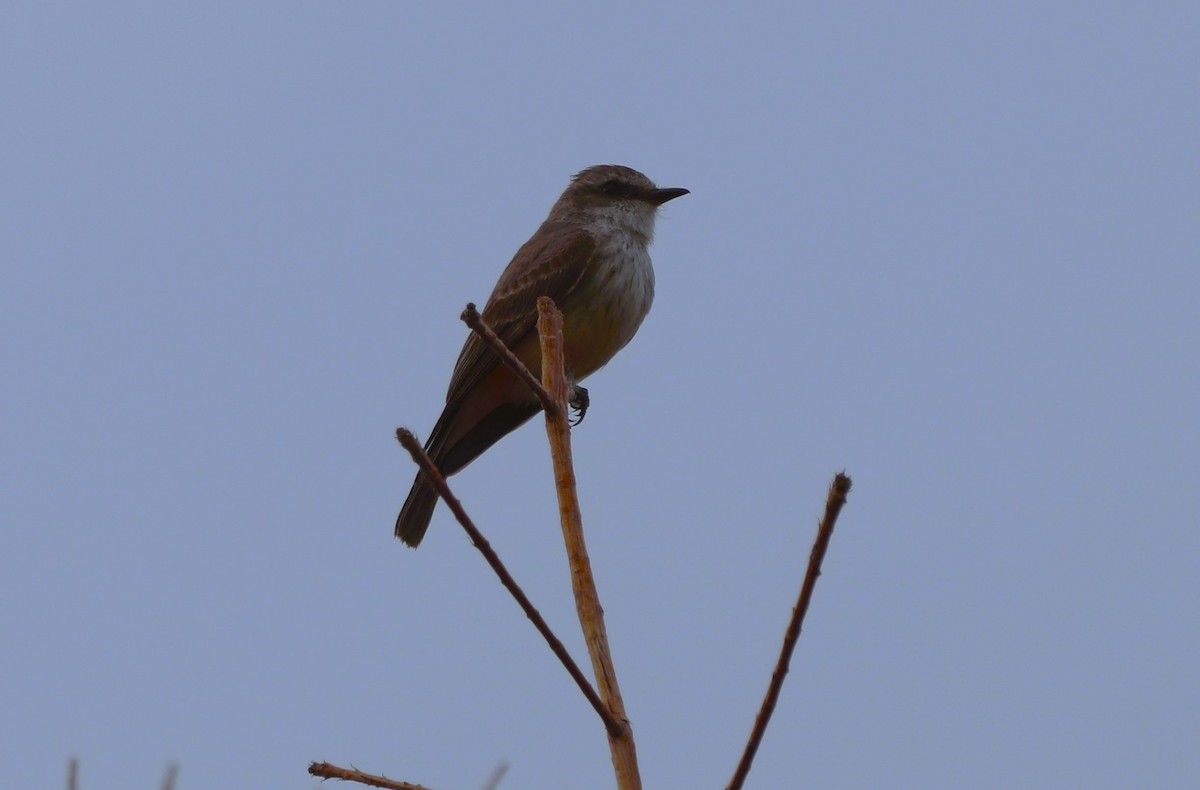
(417, 512)
(418, 509)
(423, 498)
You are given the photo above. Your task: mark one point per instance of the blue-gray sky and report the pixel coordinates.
(949, 248)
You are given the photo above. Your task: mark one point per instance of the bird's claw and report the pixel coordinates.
(577, 402)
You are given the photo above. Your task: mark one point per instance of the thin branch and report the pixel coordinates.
(587, 600)
(493, 781)
(475, 321)
(168, 782)
(330, 771)
(833, 505)
(410, 443)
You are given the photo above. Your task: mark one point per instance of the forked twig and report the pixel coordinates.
(833, 505)
(552, 392)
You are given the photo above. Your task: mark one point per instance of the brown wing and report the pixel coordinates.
(551, 263)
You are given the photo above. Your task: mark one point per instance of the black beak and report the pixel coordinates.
(660, 196)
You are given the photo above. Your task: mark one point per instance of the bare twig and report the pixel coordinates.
(475, 321)
(330, 771)
(168, 782)
(493, 781)
(587, 601)
(410, 443)
(833, 505)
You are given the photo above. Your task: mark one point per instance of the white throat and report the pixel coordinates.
(631, 217)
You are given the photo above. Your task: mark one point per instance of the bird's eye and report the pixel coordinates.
(614, 188)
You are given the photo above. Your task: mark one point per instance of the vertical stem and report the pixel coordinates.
(587, 601)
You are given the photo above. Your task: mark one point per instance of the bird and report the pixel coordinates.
(591, 256)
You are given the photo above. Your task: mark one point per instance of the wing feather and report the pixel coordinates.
(552, 263)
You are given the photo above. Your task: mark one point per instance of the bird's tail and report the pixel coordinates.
(422, 499)
(417, 511)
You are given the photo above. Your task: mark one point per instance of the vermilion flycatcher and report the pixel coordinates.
(591, 256)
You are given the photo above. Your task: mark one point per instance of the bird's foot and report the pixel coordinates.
(577, 402)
